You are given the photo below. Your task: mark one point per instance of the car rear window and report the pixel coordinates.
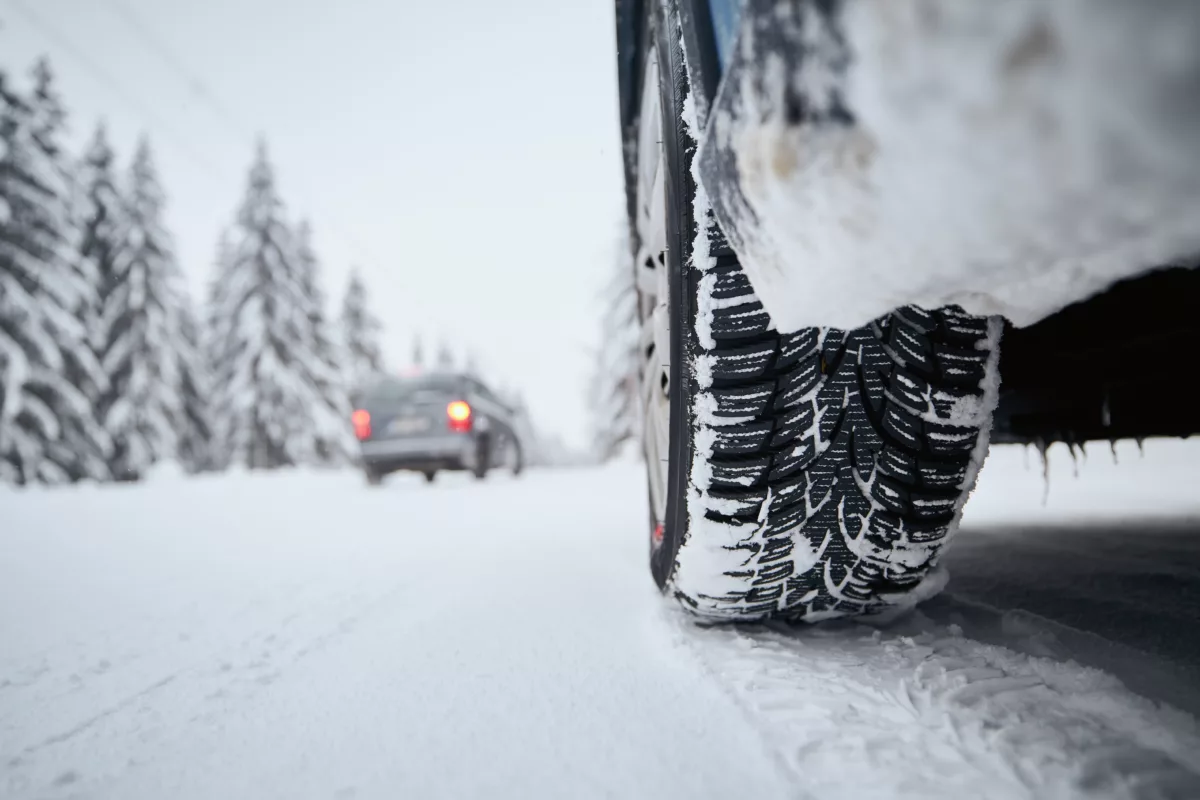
(431, 387)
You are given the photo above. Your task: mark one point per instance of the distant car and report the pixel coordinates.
(433, 422)
(837, 210)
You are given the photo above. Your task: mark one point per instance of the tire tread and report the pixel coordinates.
(851, 440)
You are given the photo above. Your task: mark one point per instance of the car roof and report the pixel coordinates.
(434, 379)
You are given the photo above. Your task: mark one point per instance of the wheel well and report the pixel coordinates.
(1111, 367)
(1116, 366)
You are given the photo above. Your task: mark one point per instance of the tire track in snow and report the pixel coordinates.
(89, 722)
(204, 685)
(917, 710)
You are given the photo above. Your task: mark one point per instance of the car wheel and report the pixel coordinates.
(373, 478)
(804, 475)
(430, 476)
(483, 456)
(516, 458)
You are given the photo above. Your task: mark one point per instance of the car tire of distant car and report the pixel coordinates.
(803, 475)
(430, 475)
(483, 456)
(373, 478)
(517, 457)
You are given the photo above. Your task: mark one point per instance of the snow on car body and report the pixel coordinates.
(1010, 158)
(836, 211)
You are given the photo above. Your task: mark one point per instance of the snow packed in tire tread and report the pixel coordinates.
(850, 441)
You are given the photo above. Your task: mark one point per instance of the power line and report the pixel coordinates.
(194, 83)
(101, 74)
(202, 91)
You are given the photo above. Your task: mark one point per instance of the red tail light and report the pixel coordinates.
(361, 420)
(459, 415)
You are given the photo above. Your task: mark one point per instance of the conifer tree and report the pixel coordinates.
(48, 376)
(613, 392)
(360, 333)
(268, 409)
(327, 401)
(195, 430)
(139, 329)
(445, 358)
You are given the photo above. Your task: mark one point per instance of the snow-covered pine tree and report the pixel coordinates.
(613, 393)
(253, 337)
(264, 401)
(360, 334)
(138, 333)
(114, 321)
(418, 356)
(218, 347)
(531, 442)
(85, 447)
(195, 430)
(329, 405)
(30, 248)
(445, 358)
(48, 375)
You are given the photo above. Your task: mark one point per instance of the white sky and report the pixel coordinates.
(463, 153)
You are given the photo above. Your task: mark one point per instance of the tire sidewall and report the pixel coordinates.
(680, 193)
(518, 457)
(483, 456)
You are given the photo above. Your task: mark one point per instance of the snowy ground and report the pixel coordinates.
(300, 635)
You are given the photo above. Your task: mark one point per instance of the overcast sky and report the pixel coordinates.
(463, 154)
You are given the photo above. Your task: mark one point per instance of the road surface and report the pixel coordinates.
(300, 635)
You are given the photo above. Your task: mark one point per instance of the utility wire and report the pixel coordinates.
(202, 91)
(194, 83)
(98, 72)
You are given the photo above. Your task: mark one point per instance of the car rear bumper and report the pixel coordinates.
(449, 451)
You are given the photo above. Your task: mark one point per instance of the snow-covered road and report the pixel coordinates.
(299, 635)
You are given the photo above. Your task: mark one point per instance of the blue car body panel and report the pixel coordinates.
(725, 16)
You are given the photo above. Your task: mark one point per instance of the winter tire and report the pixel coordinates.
(483, 456)
(805, 475)
(373, 478)
(517, 458)
(430, 476)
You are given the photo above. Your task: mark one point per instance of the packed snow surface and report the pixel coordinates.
(300, 635)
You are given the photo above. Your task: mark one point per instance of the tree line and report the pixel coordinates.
(107, 364)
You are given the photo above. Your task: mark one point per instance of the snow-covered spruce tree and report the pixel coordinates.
(445, 358)
(471, 365)
(138, 332)
(48, 376)
(418, 352)
(219, 350)
(329, 405)
(360, 334)
(613, 393)
(195, 430)
(531, 440)
(265, 403)
(115, 322)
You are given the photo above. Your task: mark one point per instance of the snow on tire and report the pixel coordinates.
(830, 467)
(817, 473)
